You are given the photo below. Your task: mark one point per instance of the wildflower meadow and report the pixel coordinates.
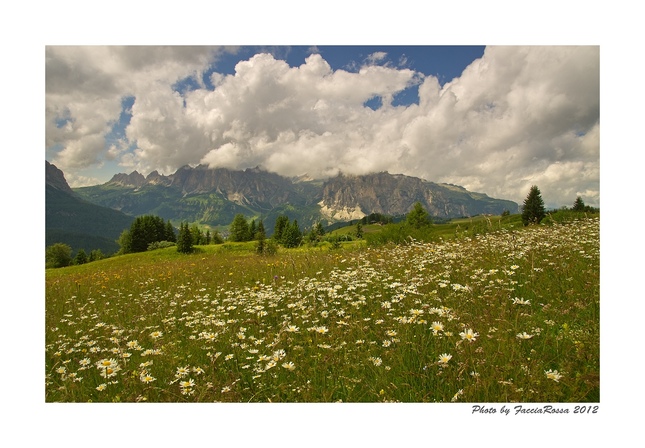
(503, 316)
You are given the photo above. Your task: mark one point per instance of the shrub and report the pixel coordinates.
(58, 255)
(160, 245)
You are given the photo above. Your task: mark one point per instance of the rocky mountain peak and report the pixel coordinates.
(56, 179)
(213, 196)
(134, 179)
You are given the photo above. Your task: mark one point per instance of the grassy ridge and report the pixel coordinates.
(494, 317)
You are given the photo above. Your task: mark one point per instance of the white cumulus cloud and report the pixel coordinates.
(516, 117)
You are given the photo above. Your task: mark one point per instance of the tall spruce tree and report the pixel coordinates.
(281, 224)
(252, 229)
(261, 232)
(533, 210)
(292, 235)
(319, 229)
(579, 205)
(185, 239)
(359, 230)
(169, 235)
(239, 230)
(81, 257)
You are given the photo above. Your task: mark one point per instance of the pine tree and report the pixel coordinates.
(359, 230)
(216, 238)
(197, 234)
(81, 257)
(145, 230)
(579, 205)
(418, 217)
(260, 232)
(185, 239)
(320, 230)
(292, 236)
(170, 233)
(252, 229)
(260, 247)
(281, 224)
(239, 230)
(533, 210)
(96, 254)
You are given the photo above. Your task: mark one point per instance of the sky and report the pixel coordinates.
(493, 119)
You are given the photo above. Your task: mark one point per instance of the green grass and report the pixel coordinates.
(372, 322)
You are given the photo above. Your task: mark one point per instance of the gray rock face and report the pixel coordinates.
(212, 196)
(55, 178)
(396, 195)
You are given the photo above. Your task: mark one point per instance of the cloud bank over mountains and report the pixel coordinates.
(518, 116)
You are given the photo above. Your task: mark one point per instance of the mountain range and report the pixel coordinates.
(212, 197)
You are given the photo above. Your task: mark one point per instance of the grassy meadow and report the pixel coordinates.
(506, 315)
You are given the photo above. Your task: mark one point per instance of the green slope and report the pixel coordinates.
(81, 224)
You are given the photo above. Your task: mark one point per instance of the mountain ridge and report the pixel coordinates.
(212, 196)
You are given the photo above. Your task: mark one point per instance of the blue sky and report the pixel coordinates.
(492, 119)
(444, 61)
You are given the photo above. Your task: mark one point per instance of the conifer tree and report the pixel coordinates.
(216, 238)
(81, 257)
(239, 230)
(533, 210)
(359, 230)
(96, 254)
(170, 233)
(185, 239)
(281, 224)
(260, 247)
(197, 234)
(292, 236)
(143, 231)
(252, 229)
(418, 217)
(579, 205)
(320, 230)
(260, 232)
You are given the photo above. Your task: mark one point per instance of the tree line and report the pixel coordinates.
(151, 232)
